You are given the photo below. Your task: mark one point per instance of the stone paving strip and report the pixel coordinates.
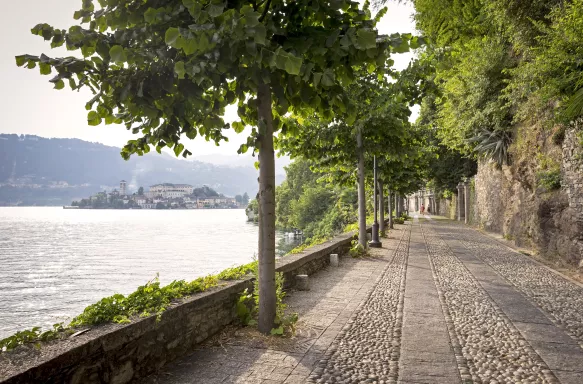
(493, 350)
(335, 294)
(544, 306)
(367, 349)
(427, 355)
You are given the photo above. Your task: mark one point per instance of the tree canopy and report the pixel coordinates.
(168, 69)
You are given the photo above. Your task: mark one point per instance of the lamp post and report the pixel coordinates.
(375, 243)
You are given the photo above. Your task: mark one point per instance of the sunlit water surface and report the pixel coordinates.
(54, 262)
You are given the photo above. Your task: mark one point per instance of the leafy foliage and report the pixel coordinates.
(30, 336)
(168, 69)
(248, 304)
(147, 300)
(306, 201)
(549, 179)
(357, 250)
(552, 71)
(498, 63)
(493, 145)
(238, 273)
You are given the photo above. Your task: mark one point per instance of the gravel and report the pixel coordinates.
(492, 348)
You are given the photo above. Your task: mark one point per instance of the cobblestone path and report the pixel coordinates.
(439, 303)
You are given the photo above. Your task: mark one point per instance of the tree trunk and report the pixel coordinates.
(266, 276)
(381, 208)
(362, 240)
(397, 205)
(390, 208)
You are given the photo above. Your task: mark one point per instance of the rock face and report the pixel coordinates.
(572, 185)
(509, 199)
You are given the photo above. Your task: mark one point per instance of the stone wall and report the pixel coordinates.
(509, 201)
(447, 207)
(572, 186)
(119, 354)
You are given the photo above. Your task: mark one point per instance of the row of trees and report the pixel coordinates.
(314, 73)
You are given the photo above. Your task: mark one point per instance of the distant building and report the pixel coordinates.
(123, 188)
(170, 191)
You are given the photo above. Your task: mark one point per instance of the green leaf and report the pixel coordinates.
(178, 148)
(179, 69)
(414, 44)
(238, 126)
(215, 10)
(189, 46)
(293, 65)
(328, 78)
(117, 54)
(60, 84)
(45, 69)
(93, 118)
(21, 60)
(332, 38)
(260, 33)
(172, 34)
(317, 78)
(277, 331)
(281, 59)
(402, 47)
(366, 39)
(150, 15)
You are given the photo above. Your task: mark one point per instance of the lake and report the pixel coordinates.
(54, 262)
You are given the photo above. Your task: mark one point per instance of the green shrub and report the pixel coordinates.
(549, 179)
(238, 273)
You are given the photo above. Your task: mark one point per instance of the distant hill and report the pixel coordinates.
(41, 171)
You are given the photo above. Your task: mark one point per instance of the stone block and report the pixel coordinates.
(302, 283)
(334, 260)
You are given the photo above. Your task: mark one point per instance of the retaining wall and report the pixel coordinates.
(119, 354)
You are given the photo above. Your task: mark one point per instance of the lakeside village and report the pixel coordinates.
(162, 196)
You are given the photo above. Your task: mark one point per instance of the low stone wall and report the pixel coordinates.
(119, 354)
(312, 259)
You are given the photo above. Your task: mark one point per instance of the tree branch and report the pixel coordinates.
(265, 11)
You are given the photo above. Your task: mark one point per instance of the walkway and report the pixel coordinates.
(439, 303)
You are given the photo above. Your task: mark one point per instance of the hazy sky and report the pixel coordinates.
(30, 105)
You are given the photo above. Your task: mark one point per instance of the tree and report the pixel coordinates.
(141, 191)
(298, 177)
(239, 199)
(340, 147)
(245, 200)
(168, 68)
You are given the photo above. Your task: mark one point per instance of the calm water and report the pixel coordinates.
(55, 262)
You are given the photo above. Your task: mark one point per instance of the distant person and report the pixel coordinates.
(422, 208)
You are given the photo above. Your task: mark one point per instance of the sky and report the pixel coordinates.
(30, 105)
